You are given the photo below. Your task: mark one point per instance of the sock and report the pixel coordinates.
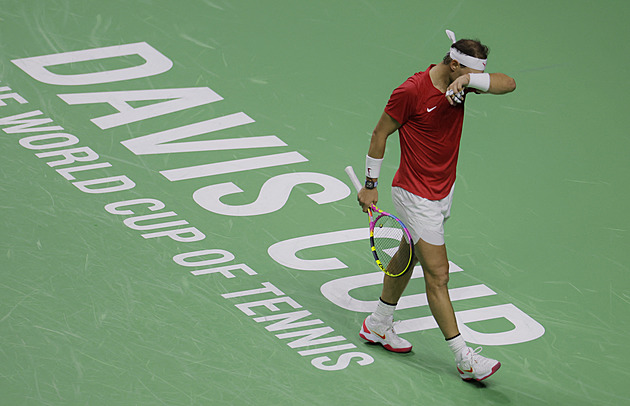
(384, 311)
(457, 345)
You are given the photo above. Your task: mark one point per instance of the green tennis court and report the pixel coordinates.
(178, 229)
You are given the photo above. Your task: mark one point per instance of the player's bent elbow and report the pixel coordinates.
(511, 85)
(503, 84)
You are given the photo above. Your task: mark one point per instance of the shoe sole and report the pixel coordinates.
(467, 378)
(372, 338)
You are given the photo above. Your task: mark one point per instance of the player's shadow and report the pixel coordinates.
(477, 384)
(490, 393)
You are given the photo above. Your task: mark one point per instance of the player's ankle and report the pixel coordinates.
(458, 346)
(384, 311)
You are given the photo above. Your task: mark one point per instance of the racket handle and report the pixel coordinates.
(353, 178)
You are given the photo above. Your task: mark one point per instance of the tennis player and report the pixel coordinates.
(428, 112)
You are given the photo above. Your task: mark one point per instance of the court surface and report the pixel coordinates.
(178, 229)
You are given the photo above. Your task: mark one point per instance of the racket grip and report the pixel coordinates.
(353, 178)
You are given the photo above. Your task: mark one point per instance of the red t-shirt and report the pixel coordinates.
(429, 137)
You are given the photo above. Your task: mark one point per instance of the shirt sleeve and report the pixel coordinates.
(402, 103)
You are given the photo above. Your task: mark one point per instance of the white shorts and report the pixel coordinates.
(423, 217)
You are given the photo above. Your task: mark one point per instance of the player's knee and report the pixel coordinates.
(437, 276)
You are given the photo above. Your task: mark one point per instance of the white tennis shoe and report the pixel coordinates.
(473, 366)
(383, 333)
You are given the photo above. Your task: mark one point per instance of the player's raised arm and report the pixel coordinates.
(491, 83)
(468, 71)
(500, 83)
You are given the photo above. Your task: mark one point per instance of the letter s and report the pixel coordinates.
(342, 362)
(274, 194)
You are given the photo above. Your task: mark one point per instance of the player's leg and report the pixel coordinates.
(434, 261)
(379, 326)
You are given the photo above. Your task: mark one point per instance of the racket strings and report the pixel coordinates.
(391, 244)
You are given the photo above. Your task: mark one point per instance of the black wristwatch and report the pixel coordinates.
(371, 184)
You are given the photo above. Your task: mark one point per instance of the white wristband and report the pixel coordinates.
(479, 81)
(372, 167)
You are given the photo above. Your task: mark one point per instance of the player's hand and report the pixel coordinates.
(455, 91)
(367, 197)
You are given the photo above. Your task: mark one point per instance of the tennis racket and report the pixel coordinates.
(391, 243)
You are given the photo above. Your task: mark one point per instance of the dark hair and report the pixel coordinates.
(470, 47)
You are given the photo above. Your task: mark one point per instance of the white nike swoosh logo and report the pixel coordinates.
(430, 110)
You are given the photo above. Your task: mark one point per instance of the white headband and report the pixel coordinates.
(467, 60)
